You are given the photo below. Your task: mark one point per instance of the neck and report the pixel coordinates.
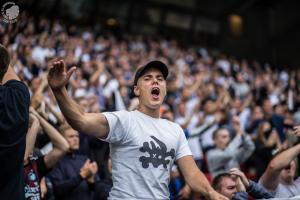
(148, 111)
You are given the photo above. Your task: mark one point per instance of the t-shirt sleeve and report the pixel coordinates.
(183, 148)
(119, 123)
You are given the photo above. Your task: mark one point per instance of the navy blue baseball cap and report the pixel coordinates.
(153, 64)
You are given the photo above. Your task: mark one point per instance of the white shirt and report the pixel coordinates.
(143, 150)
(284, 191)
(194, 142)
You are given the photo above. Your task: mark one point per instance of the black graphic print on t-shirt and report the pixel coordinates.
(157, 153)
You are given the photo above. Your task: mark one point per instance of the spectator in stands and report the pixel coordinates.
(229, 154)
(14, 119)
(236, 186)
(275, 120)
(267, 143)
(102, 83)
(75, 176)
(279, 177)
(36, 166)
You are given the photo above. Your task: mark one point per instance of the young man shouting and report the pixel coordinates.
(143, 146)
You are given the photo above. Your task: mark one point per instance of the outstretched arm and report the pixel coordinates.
(90, 123)
(196, 179)
(270, 178)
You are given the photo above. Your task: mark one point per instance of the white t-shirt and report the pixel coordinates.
(143, 150)
(287, 190)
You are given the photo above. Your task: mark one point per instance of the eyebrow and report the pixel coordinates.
(150, 75)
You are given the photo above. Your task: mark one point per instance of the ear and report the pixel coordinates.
(136, 90)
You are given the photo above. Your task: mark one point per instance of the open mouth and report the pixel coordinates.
(155, 92)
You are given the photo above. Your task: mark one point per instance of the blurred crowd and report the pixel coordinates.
(235, 113)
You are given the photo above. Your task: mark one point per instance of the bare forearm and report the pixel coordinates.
(284, 159)
(199, 183)
(69, 108)
(58, 116)
(30, 138)
(95, 76)
(42, 85)
(56, 138)
(194, 177)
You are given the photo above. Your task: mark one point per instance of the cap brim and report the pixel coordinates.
(153, 64)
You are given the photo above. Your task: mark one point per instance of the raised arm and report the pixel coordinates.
(60, 118)
(254, 189)
(270, 178)
(31, 136)
(38, 95)
(244, 152)
(90, 123)
(60, 145)
(196, 179)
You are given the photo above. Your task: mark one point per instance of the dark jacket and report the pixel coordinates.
(68, 184)
(255, 191)
(66, 180)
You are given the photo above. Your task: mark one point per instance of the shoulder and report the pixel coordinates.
(119, 114)
(212, 152)
(172, 124)
(18, 85)
(15, 90)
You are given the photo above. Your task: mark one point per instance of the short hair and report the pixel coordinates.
(216, 184)
(63, 128)
(215, 133)
(4, 61)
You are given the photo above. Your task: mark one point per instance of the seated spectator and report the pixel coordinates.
(235, 185)
(280, 175)
(75, 176)
(229, 154)
(35, 166)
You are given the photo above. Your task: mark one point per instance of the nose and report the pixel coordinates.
(155, 81)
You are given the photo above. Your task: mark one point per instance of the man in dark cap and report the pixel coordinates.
(143, 146)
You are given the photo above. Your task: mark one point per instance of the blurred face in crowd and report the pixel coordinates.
(227, 187)
(279, 110)
(181, 109)
(35, 83)
(257, 113)
(267, 106)
(288, 173)
(222, 138)
(240, 78)
(151, 89)
(72, 138)
(84, 103)
(185, 95)
(210, 107)
(168, 115)
(237, 104)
